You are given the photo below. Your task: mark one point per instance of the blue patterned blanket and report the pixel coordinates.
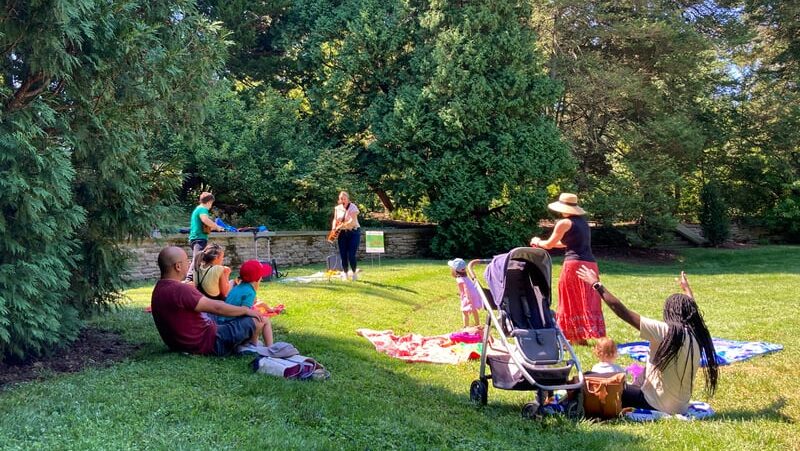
(728, 351)
(697, 411)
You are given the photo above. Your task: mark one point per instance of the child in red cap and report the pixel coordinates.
(244, 293)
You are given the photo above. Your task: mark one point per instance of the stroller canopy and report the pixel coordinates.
(495, 273)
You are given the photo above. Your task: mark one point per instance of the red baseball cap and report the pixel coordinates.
(254, 270)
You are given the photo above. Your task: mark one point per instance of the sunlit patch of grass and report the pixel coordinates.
(164, 400)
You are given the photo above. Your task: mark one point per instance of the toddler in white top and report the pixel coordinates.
(467, 291)
(606, 351)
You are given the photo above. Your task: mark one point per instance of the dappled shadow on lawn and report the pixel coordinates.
(373, 400)
(771, 412)
(387, 286)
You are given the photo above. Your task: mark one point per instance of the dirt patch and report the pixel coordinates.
(93, 348)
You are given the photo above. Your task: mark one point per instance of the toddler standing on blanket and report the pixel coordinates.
(467, 291)
(244, 293)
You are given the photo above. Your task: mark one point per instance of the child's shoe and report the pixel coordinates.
(354, 276)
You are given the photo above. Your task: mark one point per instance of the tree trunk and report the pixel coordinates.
(387, 203)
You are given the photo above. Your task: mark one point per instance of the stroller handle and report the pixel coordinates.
(472, 263)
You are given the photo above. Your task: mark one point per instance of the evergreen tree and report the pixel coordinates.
(85, 84)
(469, 135)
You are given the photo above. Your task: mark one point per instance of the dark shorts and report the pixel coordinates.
(198, 242)
(232, 333)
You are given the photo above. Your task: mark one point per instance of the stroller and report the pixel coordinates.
(540, 358)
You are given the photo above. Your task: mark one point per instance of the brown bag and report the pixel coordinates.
(602, 395)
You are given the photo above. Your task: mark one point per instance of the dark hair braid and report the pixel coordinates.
(681, 314)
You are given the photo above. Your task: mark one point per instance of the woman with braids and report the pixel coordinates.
(676, 346)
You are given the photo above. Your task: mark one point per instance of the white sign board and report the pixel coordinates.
(374, 242)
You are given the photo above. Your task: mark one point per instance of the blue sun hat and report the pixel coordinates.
(457, 264)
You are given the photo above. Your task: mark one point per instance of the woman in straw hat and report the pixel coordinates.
(579, 313)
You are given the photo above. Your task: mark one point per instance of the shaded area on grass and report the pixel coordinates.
(94, 347)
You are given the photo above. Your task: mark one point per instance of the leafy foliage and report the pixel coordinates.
(84, 86)
(264, 164)
(633, 76)
(442, 105)
(714, 215)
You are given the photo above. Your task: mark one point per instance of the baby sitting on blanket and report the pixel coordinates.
(606, 351)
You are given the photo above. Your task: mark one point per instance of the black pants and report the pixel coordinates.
(632, 396)
(348, 247)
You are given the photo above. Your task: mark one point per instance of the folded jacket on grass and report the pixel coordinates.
(418, 348)
(728, 351)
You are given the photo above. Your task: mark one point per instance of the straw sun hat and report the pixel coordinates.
(567, 203)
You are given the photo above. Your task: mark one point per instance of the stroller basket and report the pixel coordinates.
(507, 376)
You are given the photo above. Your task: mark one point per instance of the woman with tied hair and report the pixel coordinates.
(345, 222)
(676, 346)
(212, 276)
(579, 314)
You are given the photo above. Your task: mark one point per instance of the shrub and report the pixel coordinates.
(714, 215)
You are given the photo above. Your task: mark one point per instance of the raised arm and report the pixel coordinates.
(624, 313)
(684, 283)
(559, 230)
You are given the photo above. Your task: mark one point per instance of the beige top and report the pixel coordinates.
(671, 390)
(209, 278)
(348, 218)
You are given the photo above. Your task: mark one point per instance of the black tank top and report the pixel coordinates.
(578, 240)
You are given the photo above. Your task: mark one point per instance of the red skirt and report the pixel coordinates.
(579, 313)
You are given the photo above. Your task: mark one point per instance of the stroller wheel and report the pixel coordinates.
(478, 392)
(530, 411)
(574, 408)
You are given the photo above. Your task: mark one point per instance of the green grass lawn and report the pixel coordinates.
(158, 399)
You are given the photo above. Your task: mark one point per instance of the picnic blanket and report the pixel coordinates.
(697, 411)
(418, 348)
(728, 351)
(316, 277)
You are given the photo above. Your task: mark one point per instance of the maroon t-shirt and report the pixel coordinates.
(181, 327)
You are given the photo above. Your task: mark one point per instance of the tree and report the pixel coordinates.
(442, 105)
(763, 155)
(264, 165)
(714, 215)
(635, 76)
(84, 86)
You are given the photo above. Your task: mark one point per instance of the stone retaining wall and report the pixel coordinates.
(288, 248)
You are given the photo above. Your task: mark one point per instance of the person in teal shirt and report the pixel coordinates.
(198, 238)
(244, 293)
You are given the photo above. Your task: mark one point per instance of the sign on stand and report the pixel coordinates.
(374, 243)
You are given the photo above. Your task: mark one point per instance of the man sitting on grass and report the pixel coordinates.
(180, 313)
